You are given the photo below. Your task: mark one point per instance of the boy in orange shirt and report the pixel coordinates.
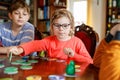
(107, 56)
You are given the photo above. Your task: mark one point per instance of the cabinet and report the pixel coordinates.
(33, 11)
(45, 10)
(4, 10)
(112, 14)
(4, 5)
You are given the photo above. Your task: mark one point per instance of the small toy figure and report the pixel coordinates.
(70, 69)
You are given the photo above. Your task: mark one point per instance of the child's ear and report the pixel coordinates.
(10, 15)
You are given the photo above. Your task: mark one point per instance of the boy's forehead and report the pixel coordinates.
(22, 9)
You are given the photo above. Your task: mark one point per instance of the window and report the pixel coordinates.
(79, 10)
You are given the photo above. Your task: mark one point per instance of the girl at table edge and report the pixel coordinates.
(62, 43)
(107, 55)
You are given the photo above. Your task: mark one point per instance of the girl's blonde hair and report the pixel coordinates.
(62, 13)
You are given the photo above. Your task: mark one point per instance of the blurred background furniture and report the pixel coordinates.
(88, 36)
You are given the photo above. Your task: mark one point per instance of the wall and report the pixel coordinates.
(97, 16)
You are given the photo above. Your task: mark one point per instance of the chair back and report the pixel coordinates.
(88, 36)
(38, 35)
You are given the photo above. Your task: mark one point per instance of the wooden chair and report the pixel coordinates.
(88, 36)
(38, 35)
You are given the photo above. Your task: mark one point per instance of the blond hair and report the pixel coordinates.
(62, 13)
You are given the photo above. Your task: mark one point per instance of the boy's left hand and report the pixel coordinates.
(69, 52)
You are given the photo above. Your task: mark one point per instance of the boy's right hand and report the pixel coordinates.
(13, 50)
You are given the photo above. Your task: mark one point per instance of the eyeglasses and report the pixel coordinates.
(64, 26)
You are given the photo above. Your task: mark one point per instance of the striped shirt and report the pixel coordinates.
(8, 39)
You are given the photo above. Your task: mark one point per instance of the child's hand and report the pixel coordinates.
(69, 52)
(13, 50)
(115, 29)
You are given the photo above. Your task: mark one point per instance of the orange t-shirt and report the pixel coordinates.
(54, 48)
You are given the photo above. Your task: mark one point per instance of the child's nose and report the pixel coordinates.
(20, 15)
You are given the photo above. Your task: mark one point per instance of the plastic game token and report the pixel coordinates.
(52, 59)
(26, 67)
(33, 61)
(2, 65)
(20, 61)
(77, 70)
(34, 77)
(2, 59)
(6, 79)
(11, 70)
(25, 63)
(77, 66)
(60, 60)
(69, 75)
(56, 77)
(15, 63)
(25, 58)
(53, 77)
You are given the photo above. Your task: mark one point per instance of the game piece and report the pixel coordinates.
(2, 65)
(60, 60)
(10, 56)
(52, 59)
(26, 67)
(10, 70)
(15, 63)
(42, 54)
(20, 61)
(56, 77)
(53, 77)
(33, 61)
(77, 70)
(69, 59)
(70, 75)
(25, 58)
(34, 77)
(6, 79)
(77, 66)
(70, 69)
(25, 63)
(2, 59)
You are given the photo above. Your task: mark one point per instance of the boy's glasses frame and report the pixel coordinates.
(64, 26)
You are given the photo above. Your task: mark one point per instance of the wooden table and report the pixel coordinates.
(45, 68)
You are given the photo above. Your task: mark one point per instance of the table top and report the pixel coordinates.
(45, 68)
